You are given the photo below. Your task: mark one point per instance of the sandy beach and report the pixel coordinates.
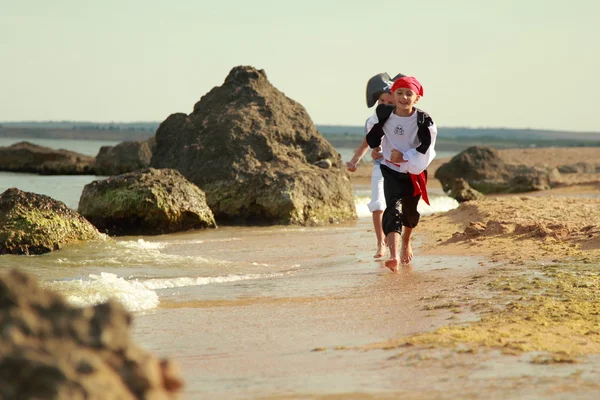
(501, 301)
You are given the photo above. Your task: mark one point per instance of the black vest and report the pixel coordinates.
(384, 111)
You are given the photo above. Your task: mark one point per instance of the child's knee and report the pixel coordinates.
(391, 220)
(411, 219)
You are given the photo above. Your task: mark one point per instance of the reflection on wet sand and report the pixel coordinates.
(260, 341)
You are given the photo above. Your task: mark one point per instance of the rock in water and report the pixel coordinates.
(29, 157)
(124, 157)
(34, 224)
(52, 350)
(145, 202)
(257, 155)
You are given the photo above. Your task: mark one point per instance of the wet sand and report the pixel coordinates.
(285, 343)
(501, 302)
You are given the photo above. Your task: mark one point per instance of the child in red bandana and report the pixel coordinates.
(407, 137)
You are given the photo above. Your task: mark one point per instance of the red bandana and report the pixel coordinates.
(408, 82)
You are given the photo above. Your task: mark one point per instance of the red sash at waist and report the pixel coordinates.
(419, 183)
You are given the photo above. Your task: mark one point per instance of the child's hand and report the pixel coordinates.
(397, 157)
(375, 153)
(350, 166)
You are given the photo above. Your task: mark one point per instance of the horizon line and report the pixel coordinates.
(342, 125)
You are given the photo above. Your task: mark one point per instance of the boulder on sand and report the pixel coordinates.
(145, 202)
(124, 157)
(461, 191)
(485, 171)
(257, 155)
(28, 157)
(52, 350)
(34, 224)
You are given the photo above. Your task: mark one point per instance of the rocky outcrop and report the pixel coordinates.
(257, 155)
(28, 157)
(124, 157)
(485, 171)
(578, 168)
(34, 224)
(51, 350)
(145, 202)
(461, 191)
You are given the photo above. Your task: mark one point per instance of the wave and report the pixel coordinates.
(438, 204)
(134, 294)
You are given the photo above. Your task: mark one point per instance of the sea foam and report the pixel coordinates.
(134, 294)
(438, 204)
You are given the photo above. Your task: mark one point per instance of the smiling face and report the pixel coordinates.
(405, 99)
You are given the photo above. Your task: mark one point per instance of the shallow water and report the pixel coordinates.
(241, 308)
(256, 335)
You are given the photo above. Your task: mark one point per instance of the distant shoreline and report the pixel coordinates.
(449, 139)
(46, 133)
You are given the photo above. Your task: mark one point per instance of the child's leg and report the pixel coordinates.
(392, 216)
(393, 239)
(376, 206)
(377, 215)
(406, 253)
(410, 219)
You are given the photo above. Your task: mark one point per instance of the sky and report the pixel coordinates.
(509, 63)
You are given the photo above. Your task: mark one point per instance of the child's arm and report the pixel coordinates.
(375, 152)
(382, 113)
(358, 155)
(364, 146)
(418, 162)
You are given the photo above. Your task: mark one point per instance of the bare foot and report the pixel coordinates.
(392, 264)
(406, 253)
(380, 250)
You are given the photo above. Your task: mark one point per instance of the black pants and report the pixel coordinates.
(401, 204)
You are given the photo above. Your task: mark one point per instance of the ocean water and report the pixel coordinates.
(139, 271)
(191, 290)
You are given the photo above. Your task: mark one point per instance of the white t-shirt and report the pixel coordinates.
(401, 134)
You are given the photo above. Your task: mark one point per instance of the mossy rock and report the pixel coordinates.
(145, 202)
(35, 224)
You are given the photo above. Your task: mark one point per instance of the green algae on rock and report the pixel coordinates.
(34, 224)
(148, 201)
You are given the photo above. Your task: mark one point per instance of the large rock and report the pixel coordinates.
(485, 171)
(124, 157)
(34, 224)
(145, 202)
(51, 350)
(255, 154)
(28, 157)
